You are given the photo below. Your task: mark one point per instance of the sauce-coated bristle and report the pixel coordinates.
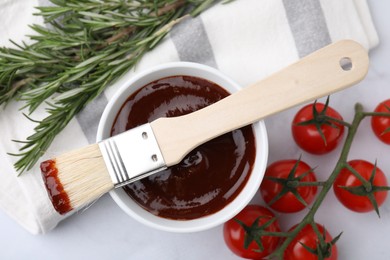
(79, 178)
(55, 190)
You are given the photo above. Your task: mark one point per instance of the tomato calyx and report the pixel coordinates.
(291, 184)
(255, 232)
(321, 118)
(367, 188)
(323, 249)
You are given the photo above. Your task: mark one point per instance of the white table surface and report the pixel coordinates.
(105, 232)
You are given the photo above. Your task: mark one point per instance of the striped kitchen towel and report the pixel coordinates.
(245, 39)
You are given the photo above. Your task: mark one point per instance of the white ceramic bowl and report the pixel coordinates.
(129, 84)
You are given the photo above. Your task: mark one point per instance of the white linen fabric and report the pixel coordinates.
(245, 39)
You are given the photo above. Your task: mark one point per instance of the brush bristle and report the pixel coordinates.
(83, 176)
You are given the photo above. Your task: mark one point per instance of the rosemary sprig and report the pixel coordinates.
(86, 46)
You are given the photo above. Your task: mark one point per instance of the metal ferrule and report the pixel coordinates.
(132, 155)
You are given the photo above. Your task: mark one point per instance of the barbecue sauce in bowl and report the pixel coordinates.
(211, 175)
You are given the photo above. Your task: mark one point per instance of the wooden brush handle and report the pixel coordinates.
(317, 75)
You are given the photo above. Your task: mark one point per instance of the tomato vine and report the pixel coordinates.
(342, 165)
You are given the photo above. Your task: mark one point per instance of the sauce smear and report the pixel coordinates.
(210, 176)
(57, 194)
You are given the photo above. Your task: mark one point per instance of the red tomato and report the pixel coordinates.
(288, 202)
(346, 178)
(309, 138)
(234, 233)
(380, 124)
(308, 237)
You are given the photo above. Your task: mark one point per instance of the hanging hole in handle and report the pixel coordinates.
(346, 63)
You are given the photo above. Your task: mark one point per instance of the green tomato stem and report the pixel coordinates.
(295, 184)
(275, 234)
(384, 114)
(365, 183)
(341, 122)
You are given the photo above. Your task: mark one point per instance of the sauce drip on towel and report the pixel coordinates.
(210, 176)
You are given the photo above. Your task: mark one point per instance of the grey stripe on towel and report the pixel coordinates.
(192, 43)
(89, 117)
(308, 25)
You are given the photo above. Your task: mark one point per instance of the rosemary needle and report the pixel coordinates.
(86, 45)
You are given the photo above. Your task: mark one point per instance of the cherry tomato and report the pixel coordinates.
(235, 235)
(346, 178)
(381, 124)
(308, 137)
(288, 202)
(308, 237)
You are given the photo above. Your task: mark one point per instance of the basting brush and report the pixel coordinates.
(79, 177)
